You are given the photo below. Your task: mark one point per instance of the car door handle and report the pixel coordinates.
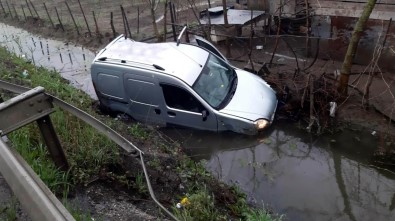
(171, 114)
(157, 111)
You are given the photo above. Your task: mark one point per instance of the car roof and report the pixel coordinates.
(183, 61)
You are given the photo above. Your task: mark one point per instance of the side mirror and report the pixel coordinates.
(204, 115)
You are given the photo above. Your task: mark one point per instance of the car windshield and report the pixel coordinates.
(216, 82)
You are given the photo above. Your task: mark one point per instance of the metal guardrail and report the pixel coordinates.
(35, 197)
(26, 108)
(40, 208)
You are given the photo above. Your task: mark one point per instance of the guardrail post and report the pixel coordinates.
(52, 142)
(33, 105)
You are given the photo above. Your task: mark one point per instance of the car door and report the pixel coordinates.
(144, 98)
(210, 47)
(184, 109)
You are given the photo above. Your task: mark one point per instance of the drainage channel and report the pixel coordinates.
(72, 62)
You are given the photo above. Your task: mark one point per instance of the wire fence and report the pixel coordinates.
(100, 17)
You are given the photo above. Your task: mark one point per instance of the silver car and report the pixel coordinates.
(181, 84)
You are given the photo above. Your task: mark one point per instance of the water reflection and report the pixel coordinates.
(306, 178)
(73, 62)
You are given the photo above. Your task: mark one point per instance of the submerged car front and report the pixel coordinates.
(252, 107)
(245, 103)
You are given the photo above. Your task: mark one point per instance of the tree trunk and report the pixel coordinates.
(352, 47)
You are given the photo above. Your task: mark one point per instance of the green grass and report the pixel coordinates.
(36, 155)
(8, 212)
(200, 207)
(139, 132)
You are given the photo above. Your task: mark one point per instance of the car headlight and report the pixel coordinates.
(261, 124)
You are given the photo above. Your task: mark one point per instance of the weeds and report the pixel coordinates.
(200, 206)
(140, 184)
(155, 163)
(242, 209)
(139, 132)
(193, 171)
(261, 215)
(9, 212)
(79, 213)
(36, 155)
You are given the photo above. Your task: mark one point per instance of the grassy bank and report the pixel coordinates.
(94, 158)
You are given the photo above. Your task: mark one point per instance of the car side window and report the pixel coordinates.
(179, 98)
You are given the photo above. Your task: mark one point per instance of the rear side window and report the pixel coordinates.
(179, 98)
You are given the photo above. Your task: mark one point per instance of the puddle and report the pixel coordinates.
(73, 62)
(325, 178)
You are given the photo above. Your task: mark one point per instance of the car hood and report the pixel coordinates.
(253, 98)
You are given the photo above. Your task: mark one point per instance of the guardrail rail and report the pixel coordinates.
(36, 105)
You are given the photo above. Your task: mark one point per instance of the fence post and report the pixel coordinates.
(49, 17)
(60, 22)
(16, 14)
(138, 19)
(172, 15)
(112, 24)
(2, 7)
(9, 9)
(34, 8)
(24, 14)
(86, 22)
(27, 3)
(125, 22)
(72, 17)
(94, 19)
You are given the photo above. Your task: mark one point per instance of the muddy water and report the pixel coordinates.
(73, 62)
(306, 178)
